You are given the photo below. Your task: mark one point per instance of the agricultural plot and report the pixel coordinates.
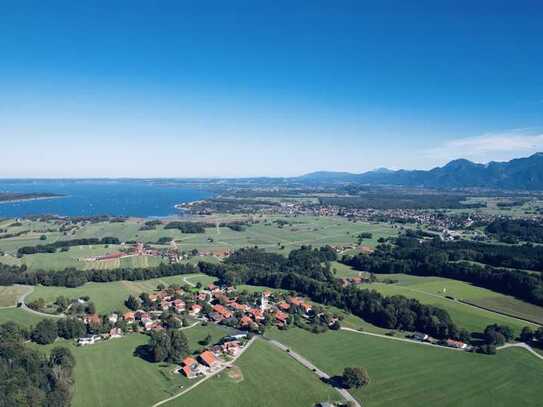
(298, 231)
(407, 374)
(265, 377)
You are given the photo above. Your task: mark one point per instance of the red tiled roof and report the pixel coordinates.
(188, 361)
(208, 358)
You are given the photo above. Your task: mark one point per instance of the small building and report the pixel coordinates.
(115, 333)
(92, 319)
(419, 336)
(129, 317)
(231, 347)
(456, 344)
(195, 309)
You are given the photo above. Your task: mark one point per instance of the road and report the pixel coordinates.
(21, 300)
(400, 339)
(523, 346)
(323, 375)
(208, 376)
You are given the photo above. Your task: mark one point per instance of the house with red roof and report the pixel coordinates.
(209, 359)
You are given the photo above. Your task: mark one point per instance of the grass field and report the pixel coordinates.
(270, 378)
(405, 374)
(110, 297)
(9, 295)
(19, 316)
(303, 230)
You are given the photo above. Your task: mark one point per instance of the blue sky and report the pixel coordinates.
(200, 88)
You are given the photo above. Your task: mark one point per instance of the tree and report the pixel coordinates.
(44, 332)
(355, 377)
(61, 356)
(170, 346)
(527, 334)
(132, 303)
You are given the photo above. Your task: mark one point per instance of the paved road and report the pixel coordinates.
(206, 377)
(323, 375)
(400, 339)
(523, 346)
(22, 298)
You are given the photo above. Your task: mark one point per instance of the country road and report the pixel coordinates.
(207, 377)
(21, 300)
(306, 363)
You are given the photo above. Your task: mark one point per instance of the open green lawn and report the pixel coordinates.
(107, 297)
(19, 316)
(9, 295)
(405, 374)
(270, 379)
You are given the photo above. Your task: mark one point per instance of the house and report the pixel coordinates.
(179, 305)
(129, 317)
(191, 368)
(88, 340)
(257, 314)
(245, 322)
(456, 344)
(281, 318)
(209, 359)
(195, 309)
(221, 310)
(231, 347)
(283, 306)
(115, 333)
(92, 319)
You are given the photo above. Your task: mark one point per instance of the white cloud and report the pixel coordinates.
(490, 147)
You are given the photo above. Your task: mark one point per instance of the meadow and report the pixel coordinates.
(407, 374)
(19, 316)
(10, 294)
(270, 378)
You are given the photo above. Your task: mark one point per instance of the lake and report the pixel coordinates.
(89, 198)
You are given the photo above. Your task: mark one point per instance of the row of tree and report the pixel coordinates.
(62, 244)
(71, 277)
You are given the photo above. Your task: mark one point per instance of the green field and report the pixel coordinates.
(9, 295)
(110, 297)
(406, 374)
(303, 230)
(19, 316)
(270, 378)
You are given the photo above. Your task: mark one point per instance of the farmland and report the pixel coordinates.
(404, 374)
(9, 295)
(297, 231)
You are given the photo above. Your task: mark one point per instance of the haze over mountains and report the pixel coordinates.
(520, 173)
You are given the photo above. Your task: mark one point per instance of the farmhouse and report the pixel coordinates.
(209, 359)
(88, 340)
(456, 344)
(191, 368)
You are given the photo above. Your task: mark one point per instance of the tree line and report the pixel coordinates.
(71, 277)
(455, 260)
(513, 230)
(53, 247)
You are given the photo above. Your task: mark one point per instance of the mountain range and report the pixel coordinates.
(520, 173)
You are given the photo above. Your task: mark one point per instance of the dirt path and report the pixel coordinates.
(230, 363)
(21, 300)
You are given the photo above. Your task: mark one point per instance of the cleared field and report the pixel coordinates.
(107, 297)
(9, 295)
(269, 378)
(470, 293)
(19, 316)
(466, 316)
(405, 374)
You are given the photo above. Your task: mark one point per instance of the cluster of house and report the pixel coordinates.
(95, 320)
(140, 249)
(228, 310)
(212, 359)
(451, 343)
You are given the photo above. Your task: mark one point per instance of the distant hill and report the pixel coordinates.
(521, 173)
